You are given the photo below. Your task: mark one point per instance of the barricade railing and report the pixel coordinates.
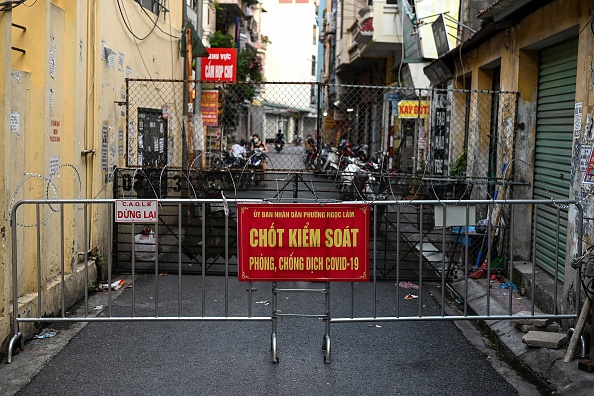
(425, 227)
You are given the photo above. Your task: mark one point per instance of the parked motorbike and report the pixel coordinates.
(358, 180)
(311, 157)
(255, 167)
(279, 144)
(332, 163)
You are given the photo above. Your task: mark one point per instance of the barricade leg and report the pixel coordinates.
(273, 350)
(11, 343)
(326, 339)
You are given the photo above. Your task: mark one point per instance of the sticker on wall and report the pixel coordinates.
(120, 61)
(80, 54)
(54, 165)
(585, 157)
(577, 120)
(131, 141)
(128, 71)
(111, 60)
(588, 128)
(16, 75)
(104, 131)
(103, 53)
(589, 175)
(52, 57)
(123, 100)
(51, 98)
(15, 122)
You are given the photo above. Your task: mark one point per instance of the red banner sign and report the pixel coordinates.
(293, 242)
(220, 66)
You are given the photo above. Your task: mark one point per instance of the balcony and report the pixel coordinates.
(379, 30)
(364, 33)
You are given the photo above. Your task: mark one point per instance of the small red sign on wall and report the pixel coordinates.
(220, 66)
(291, 242)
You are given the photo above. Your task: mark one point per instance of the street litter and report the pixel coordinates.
(46, 333)
(114, 286)
(376, 326)
(506, 286)
(410, 297)
(263, 302)
(408, 285)
(98, 307)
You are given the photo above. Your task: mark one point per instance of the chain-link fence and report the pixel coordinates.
(417, 133)
(372, 142)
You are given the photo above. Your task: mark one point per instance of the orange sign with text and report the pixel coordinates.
(209, 107)
(303, 242)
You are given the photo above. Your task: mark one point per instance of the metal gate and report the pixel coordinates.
(444, 256)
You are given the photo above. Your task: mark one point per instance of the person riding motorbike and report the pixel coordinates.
(280, 141)
(309, 143)
(257, 144)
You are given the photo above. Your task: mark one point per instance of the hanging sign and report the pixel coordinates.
(136, 211)
(220, 66)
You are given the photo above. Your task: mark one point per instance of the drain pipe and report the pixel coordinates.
(570, 333)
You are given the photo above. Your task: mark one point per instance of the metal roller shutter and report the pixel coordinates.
(553, 152)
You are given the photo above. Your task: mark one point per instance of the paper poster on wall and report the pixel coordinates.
(585, 154)
(111, 60)
(589, 175)
(103, 53)
(52, 57)
(123, 100)
(120, 61)
(577, 120)
(15, 122)
(54, 165)
(104, 132)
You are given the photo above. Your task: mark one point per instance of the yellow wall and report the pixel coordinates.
(5, 271)
(64, 94)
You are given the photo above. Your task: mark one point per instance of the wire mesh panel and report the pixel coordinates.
(433, 138)
(321, 142)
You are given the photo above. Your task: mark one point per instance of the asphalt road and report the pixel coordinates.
(232, 358)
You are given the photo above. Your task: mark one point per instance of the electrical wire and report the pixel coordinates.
(120, 6)
(591, 23)
(156, 24)
(10, 5)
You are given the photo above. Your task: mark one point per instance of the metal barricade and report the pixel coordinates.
(424, 227)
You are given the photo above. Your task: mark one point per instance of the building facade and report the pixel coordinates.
(542, 50)
(65, 76)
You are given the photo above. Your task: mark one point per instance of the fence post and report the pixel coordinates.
(295, 186)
